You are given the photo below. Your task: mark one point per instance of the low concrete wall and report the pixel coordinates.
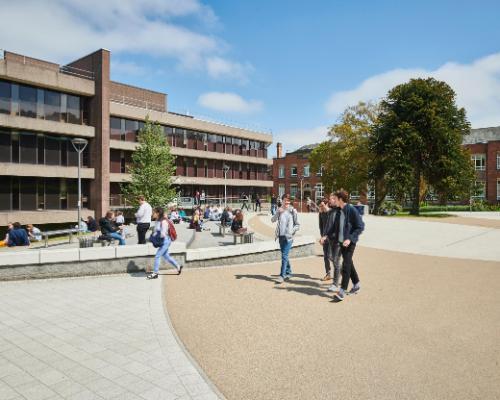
(55, 263)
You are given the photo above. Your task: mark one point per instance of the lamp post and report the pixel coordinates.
(79, 144)
(301, 192)
(225, 168)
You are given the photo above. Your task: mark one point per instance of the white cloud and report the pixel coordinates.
(69, 29)
(477, 86)
(127, 68)
(292, 139)
(218, 67)
(229, 102)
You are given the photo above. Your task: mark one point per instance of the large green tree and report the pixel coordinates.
(345, 156)
(417, 141)
(152, 168)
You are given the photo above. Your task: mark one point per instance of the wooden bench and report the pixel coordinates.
(246, 237)
(222, 228)
(59, 232)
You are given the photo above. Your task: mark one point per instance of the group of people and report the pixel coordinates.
(340, 226)
(17, 236)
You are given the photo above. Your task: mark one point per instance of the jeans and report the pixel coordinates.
(117, 236)
(273, 209)
(163, 252)
(142, 228)
(285, 246)
(331, 252)
(348, 269)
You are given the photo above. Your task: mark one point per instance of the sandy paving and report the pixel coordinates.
(422, 328)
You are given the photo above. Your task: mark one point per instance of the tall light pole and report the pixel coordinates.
(225, 168)
(79, 144)
(301, 192)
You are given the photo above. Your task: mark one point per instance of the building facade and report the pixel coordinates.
(44, 105)
(484, 146)
(292, 174)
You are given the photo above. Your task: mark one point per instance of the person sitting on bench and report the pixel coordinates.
(237, 225)
(225, 218)
(109, 230)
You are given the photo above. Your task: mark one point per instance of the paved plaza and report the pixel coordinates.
(103, 337)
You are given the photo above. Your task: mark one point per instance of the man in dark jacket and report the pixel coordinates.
(18, 236)
(109, 229)
(345, 229)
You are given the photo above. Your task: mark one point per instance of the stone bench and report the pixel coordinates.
(222, 228)
(246, 237)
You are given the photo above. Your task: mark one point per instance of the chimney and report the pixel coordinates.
(279, 150)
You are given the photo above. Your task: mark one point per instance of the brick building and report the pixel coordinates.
(44, 105)
(292, 174)
(484, 145)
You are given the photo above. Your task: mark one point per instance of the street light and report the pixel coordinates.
(79, 144)
(225, 168)
(301, 192)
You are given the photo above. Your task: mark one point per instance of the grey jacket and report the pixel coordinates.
(288, 223)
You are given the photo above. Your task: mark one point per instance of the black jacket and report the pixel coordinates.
(107, 226)
(236, 225)
(323, 222)
(353, 224)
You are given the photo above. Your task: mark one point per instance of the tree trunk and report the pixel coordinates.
(380, 193)
(415, 205)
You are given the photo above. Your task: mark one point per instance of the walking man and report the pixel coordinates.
(274, 204)
(345, 230)
(244, 203)
(143, 219)
(287, 225)
(324, 214)
(334, 245)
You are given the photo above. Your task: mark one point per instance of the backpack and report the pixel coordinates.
(171, 231)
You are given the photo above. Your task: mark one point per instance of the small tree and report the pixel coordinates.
(152, 168)
(417, 141)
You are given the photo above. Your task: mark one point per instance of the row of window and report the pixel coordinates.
(294, 172)
(479, 161)
(25, 193)
(29, 101)
(127, 130)
(315, 193)
(38, 148)
(480, 190)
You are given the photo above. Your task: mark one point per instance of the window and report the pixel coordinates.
(52, 105)
(320, 172)
(498, 160)
(318, 192)
(5, 147)
(293, 170)
(281, 190)
(27, 101)
(73, 109)
(5, 96)
(281, 171)
(293, 190)
(498, 189)
(479, 161)
(307, 169)
(29, 148)
(479, 190)
(115, 128)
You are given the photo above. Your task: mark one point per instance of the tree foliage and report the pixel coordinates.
(152, 168)
(417, 141)
(345, 156)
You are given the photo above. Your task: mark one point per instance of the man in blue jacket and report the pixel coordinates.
(346, 229)
(18, 236)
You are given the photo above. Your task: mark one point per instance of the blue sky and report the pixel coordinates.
(286, 66)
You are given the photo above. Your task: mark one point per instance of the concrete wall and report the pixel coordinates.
(54, 263)
(42, 217)
(47, 171)
(40, 125)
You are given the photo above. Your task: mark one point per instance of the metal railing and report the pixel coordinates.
(82, 73)
(130, 101)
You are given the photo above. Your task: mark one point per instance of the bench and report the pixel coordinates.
(59, 232)
(246, 237)
(222, 228)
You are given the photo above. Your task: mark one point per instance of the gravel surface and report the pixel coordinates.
(421, 328)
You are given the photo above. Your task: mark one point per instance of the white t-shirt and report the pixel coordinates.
(144, 213)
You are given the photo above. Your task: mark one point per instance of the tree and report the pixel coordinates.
(152, 168)
(345, 156)
(417, 141)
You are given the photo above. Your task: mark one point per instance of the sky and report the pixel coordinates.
(283, 67)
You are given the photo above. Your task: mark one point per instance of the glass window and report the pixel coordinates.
(307, 169)
(498, 160)
(5, 147)
(293, 190)
(72, 154)
(5, 96)
(64, 152)
(52, 194)
(41, 149)
(320, 172)
(479, 161)
(115, 128)
(293, 170)
(281, 171)
(5, 192)
(28, 193)
(498, 189)
(29, 148)
(52, 151)
(131, 128)
(479, 190)
(15, 147)
(318, 192)
(212, 138)
(73, 109)
(281, 189)
(27, 101)
(52, 105)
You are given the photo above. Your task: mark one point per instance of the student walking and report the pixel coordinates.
(274, 204)
(244, 203)
(324, 214)
(287, 225)
(143, 218)
(165, 230)
(257, 204)
(346, 228)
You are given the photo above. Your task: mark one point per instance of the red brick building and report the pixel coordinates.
(484, 145)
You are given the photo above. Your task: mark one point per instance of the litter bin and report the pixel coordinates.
(86, 242)
(361, 209)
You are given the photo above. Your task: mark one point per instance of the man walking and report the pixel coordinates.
(244, 203)
(274, 204)
(143, 219)
(332, 240)
(345, 230)
(287, 225)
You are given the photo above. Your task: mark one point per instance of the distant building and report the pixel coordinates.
(484, 145)
(44, 105)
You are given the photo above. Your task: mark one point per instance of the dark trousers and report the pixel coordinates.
(141, 232)
(245, 205)
(348, 269)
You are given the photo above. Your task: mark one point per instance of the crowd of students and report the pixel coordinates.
(17, 236)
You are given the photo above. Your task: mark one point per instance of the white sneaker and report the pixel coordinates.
(339, 296)
(355, 289)
(333, 288)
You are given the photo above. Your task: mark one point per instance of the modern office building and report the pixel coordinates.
(44, 105)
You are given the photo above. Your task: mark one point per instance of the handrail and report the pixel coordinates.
(82, 73)
(130, 101)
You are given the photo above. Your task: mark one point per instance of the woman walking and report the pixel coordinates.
(162, 228)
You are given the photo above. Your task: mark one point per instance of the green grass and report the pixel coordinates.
(423, 215)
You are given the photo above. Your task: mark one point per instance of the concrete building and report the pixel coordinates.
(484, 145)
(44, 105)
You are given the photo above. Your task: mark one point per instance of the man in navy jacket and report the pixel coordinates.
(346, 229)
